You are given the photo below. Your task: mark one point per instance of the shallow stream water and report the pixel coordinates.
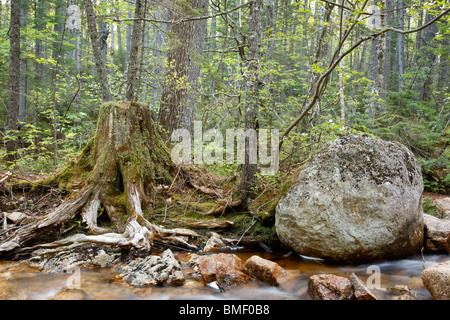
(20, 282)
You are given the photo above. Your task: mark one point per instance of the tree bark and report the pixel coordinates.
(401, 44)
(135, 44)
(23, 106)
(99, 62)
(252, 102)
(14, 75)
(376, 74)
(180, 97)
(387, 55)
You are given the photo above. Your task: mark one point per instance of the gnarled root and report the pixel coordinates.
(125, 159)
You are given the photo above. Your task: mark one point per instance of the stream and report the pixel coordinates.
(19, 281)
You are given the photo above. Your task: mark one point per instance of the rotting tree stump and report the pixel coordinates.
(121, 166)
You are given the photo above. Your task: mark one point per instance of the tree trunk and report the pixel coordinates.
(387, 55)
(14, 75)
(429, 56)
(128, 47)
(376, 74)
(401, 45)
(135, 44)
(99, 62)
(252, 102)
(179, 97)
(23, 71)
(159, 40)
(341, 92)
(121, 167)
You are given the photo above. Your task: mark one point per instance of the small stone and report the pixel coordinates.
(214, 243)
(208, 265)
(264, 270)
(228, 278)
(360, 290)
(329, 287)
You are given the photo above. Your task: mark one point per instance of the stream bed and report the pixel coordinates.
(21, 282)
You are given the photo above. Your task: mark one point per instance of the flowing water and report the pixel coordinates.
(21, 282)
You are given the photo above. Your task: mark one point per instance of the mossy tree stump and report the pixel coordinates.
(122, 164)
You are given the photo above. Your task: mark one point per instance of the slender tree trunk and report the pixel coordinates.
(387, 55)
(23, 71)
(376, 74)
(429, 56)
(135, 45)
(158, 42)
(252, 102)
(128, 45)
(99, 62)
(419, 33)
(401, 44)
(14, 74)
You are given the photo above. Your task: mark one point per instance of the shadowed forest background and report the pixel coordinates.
(312, 69)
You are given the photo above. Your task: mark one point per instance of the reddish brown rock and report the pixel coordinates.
(264, 270)
(228, 277)
(360, 290)
(329, 287)
(437, 234)
(208, 265)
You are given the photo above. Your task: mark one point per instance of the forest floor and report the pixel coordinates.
(204, 202)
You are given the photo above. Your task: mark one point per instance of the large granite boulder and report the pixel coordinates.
(358, 200)
(437, 280)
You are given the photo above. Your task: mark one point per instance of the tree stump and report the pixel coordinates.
(121, 164)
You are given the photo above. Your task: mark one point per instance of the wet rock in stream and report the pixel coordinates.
(329, 287)
(437, 280)
(83, 257)
(152, 270)
(437, 234)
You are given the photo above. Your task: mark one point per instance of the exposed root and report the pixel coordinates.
(125, 160)
(222, 209)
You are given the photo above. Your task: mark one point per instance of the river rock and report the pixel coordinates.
(444, 204)
(437, 234)
(227, 278)
(264, 270)
(84, 257)
(226, 269)
(70, 294)
(360, 290)
(153, 270)
(358, 200)
(215, 243)
(329, 287)
(436, 280)
(16, 217)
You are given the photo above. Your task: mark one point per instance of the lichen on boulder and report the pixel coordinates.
(358, 200)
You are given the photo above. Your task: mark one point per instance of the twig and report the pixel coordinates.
(423, 258)
(242, 236)
(173, 181)
(187, 19)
